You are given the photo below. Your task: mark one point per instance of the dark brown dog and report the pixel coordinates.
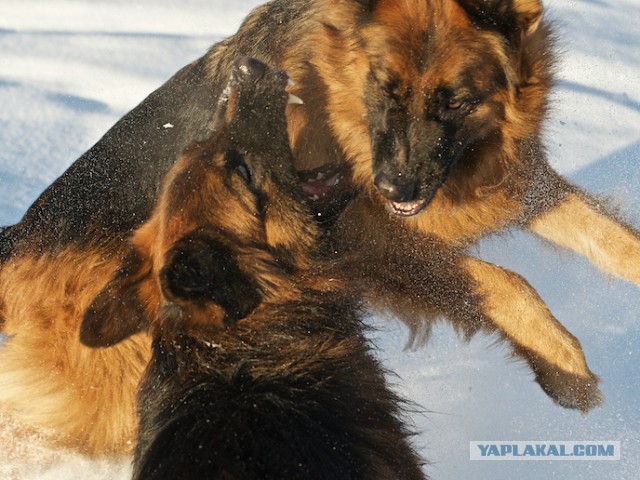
(260, 367)
(431, 110)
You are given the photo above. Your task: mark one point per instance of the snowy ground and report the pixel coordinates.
(70, 68)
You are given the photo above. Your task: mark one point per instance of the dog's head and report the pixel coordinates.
(443, 81)
(228, 228)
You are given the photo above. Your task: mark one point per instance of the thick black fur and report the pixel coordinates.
(291, 392)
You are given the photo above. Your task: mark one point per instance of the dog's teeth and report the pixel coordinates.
(295, 100)
(290, 83)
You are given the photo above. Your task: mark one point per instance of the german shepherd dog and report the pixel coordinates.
(427, 112)
(289, 391)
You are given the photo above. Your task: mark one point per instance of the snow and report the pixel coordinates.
(70, 68)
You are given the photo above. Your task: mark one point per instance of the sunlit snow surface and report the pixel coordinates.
(70, 69)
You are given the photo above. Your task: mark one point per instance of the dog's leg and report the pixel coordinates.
(475, 295)
(422, 278)
(514, 309)
(577, 223)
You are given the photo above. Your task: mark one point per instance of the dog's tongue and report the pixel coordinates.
(315, 188)
(317, 183)
(320, 187)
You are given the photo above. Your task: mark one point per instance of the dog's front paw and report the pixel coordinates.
(571, 390)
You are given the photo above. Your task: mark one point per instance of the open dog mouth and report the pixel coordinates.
(407, 209)
(317, 183)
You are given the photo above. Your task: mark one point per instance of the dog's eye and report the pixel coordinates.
(389, 91)
(235, 161)
(386, 90)
(243, 171)
(454, 104)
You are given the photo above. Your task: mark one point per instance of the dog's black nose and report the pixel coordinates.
(394, 188)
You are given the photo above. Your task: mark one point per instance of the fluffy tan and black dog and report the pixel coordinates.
(260, 368)
(428, 112)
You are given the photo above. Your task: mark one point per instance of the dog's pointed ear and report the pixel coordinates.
(513, 18)
(116, 312)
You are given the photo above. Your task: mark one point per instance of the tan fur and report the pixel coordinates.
(519, 314)
(575, 225)
(180, 211)
(530, 13)
(474, 201)
(183, 208)
(48, 378)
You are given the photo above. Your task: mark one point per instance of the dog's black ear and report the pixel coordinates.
(513, 18)
(117, 311)
(199, 268)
